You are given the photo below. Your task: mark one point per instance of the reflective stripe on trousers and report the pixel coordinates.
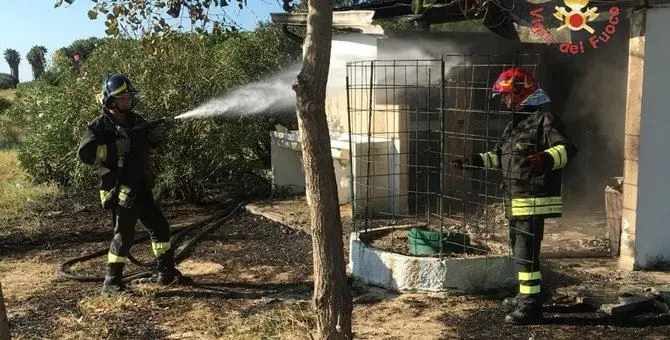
(529, 282)
(160, 248)
(537, 206)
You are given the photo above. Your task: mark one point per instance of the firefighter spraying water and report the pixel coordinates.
(118, 145)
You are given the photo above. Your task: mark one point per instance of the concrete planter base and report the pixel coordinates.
(398, 272)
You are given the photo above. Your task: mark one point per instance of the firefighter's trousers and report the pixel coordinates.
(525, 240)
(145, 209)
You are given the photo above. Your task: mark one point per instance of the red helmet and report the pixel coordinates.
(517, 81)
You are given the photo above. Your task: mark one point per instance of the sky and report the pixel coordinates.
(26, 23)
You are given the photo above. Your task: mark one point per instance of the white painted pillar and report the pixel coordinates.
(645, 236)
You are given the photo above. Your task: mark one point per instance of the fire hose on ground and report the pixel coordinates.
(185, 250)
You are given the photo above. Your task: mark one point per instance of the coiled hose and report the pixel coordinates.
(208, 225)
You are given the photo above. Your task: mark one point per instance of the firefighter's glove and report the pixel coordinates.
(460, 163)
(157, 135)
(541, 161)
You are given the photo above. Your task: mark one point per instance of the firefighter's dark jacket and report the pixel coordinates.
(98, 148)
(531, 192)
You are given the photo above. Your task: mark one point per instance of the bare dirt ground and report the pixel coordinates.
(254, 281)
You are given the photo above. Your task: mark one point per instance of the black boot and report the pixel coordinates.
(513, 301)
(113, 285)
(510, 302)
(528, 311)
(167, 273)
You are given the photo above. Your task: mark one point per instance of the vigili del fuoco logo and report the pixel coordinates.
(576, 15)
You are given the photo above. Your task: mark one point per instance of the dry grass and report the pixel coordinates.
(94, 319)
(407, 316)
(198, 268)
(96, 316)
(7, 93)
(202, 321)
(294, 321)
(99, 305)
(262, 273)
(16, 190)
(236, 319)
(23, 278)
(9, 167)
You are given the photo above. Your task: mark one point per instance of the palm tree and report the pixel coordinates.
(13, 58)
(37, 60)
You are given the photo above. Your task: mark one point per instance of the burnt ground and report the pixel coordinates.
(253, 280)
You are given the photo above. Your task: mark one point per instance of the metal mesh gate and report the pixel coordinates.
(408, 120)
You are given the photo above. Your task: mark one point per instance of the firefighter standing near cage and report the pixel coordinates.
(531, 153)
(118, 145)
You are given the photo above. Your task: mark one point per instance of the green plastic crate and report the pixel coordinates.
(427, 242)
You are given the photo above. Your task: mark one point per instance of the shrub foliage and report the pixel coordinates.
(173, 75)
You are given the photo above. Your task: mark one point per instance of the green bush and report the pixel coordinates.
(82, 47)
(7, 81)
(173, 76)
(53, 76)
(52, 120)
(7, 134)
(4, 103)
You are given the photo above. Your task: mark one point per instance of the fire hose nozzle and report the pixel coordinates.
(150, 124)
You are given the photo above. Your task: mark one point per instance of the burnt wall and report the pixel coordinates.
(588, 92)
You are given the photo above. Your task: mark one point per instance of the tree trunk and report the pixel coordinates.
(14, 70)
(4, 324)
(332, 297)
